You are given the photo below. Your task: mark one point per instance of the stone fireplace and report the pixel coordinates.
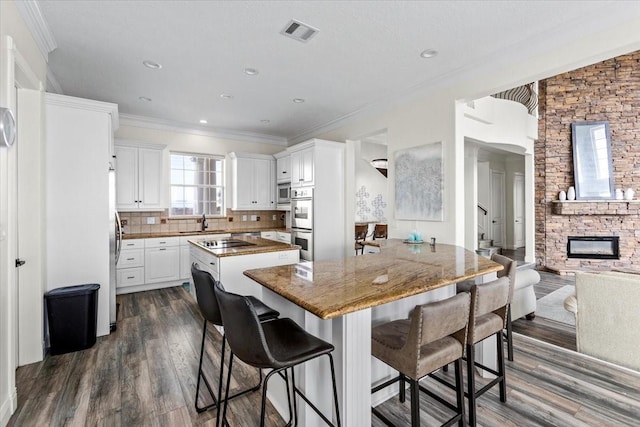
(606, 91)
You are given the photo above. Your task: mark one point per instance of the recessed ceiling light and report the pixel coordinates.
(298, 100)
(226, 96)
(428, 53)
(265, 121)
(144, 98)
(151, 64)
(203, 121)
(250, 71)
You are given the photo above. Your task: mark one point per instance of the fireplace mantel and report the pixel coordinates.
(595, 207)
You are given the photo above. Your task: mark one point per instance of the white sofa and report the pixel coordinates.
(606, 306)
(524, 298)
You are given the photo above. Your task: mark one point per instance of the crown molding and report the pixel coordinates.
(30, 11)
(52, 83)
(172, 126)
(86, 104)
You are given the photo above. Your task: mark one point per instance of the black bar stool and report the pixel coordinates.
(204, 284)
(279, 344)
(432, 337)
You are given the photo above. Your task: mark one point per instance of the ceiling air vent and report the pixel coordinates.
(298, 31)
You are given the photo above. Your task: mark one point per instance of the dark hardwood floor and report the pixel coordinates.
(549, 331)
(145, 374)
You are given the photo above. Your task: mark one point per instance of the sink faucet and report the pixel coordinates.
(204, 223)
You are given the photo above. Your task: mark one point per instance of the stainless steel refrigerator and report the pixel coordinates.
(115, 244)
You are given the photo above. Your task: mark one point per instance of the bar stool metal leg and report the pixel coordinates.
(202, 377)
(509, 335)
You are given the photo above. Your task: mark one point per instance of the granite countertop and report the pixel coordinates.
(260, 246)
(334, 288)
(196, 233)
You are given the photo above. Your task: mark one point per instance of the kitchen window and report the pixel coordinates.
(197, 185)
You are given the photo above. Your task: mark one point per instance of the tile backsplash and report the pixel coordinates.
(138, 222)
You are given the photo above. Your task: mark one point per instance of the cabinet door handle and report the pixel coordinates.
(163, 249)
(131, 277)
(162, 243)
(212, 263)
(130, 259)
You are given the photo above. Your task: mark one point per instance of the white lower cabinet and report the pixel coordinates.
(161, 264)
(153, 263)
(130, 267)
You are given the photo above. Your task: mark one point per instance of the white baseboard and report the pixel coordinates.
(8, 407)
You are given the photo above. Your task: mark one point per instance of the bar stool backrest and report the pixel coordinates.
(204, 284)
(509, 271)
(488, 298)
(442, 318)
(243, 329)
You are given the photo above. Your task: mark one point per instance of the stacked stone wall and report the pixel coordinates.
(606, 91)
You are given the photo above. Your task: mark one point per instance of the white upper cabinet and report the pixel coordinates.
(283, 167)
(252, 181)
(139, 177)
(302, 165)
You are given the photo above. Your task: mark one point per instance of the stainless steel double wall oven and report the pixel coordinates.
(302, 221)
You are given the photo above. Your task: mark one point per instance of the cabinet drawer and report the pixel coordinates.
(159, 242)
(271, 235)
(133, 244)
(130, 277)
(283, 237)
(131, 258)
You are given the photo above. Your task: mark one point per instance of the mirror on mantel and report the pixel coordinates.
(592, 164)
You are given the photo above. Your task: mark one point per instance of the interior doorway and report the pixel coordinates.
(500, 192)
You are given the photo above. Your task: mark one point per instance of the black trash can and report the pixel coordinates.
(72, 313)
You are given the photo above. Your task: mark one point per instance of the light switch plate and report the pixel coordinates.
(151, 220)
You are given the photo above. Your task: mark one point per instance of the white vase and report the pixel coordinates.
(562, 196)
(571, 194)
(629, 193)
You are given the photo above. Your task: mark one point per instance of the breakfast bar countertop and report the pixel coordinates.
(334, 288)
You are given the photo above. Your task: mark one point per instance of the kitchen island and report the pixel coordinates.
(338, 300)
(227, 258)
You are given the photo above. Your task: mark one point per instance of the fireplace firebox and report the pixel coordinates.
(593, 247)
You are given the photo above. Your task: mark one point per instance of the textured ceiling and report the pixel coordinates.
(366, 53)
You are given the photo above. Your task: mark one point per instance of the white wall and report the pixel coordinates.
(371, 185)
(435, 117)
(15, 40)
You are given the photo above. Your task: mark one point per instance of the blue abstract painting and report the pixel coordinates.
(419, 182)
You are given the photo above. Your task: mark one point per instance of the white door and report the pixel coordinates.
(263, 186)
(497, 208)
(518, 211)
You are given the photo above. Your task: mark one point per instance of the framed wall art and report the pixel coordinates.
(419, 183)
